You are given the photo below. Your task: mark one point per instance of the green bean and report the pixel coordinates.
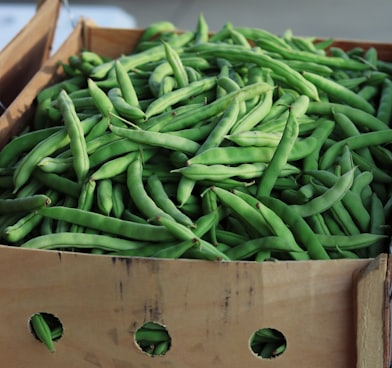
(220, 172)
(339, 93)
(67, 84)
(196, 133)
(249, 248)
(160, 104)
(167, 85)
(221, 128)
(344, 219)
(348, 128)
(105, 196)
(158, 139)
(25, 204)
(85, 200)
(77, 140)
(66, 240)
(255, 138)
(123, 107)
(379, 175)
(311, 67)
(280, 105)
(184, 190)
(23, 143)
(46, 147)
(118, 194)
(161, 72)
(335, 62)
(280, 156)
(321, 133)
(158, 122)
(377, 224)
(350, 242)
(42, 330)
(274, 222)
(125, 85)
(302, 232)
(200, 172)
(108, 224)
(241, 54)
(352, 200)
(201, 32)
(182, 232)
(56, 165)
(173, 57)
(244, 210)
(355, 142)
(58, 182)
(176, 250)
(318, 224)
(137, 191)
(156, 28)
(229, 237)
(112, 149)
(362, 119)
(17, 231)
(115, 166)
(384, 109)
(162, 199)
(257, 113)
(62, 226)
(232, 155)
(100, 98)
(216, 107)
(328, 198)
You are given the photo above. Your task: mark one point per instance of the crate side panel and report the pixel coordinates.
(22, 57)
(210, 309)
(19, 114)
(111, 42)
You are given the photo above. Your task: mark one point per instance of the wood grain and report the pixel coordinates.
(210, 310)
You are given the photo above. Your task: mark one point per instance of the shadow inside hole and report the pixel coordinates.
(268, 343)
(46, 327)
(153, 339)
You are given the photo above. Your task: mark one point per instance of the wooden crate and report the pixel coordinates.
(332, 313)
(22, 57)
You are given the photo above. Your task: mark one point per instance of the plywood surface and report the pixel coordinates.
(372, 319)
(22, 57)
(210, 310)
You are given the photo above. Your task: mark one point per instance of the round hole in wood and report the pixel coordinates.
(46, 328)
(153, 338)
(267, 343)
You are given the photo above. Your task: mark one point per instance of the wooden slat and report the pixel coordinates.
(210, 310)
(27, 51)
(373, 318)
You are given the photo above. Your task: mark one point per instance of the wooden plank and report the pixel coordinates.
(21, 58)
(19, 113)
(210, 310)
(372, 327)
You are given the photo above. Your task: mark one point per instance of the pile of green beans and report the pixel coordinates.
(237, 145)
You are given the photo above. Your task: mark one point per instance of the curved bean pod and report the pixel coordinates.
(302, 232)
(66, 240)
(158, 139)
(328, 198)
(78, 147)
(108, 224)
(24, 204)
